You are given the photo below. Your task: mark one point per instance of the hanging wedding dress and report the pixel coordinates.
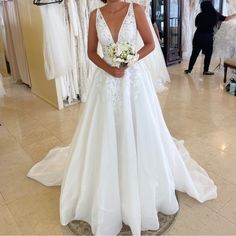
(231, 4)
(190, 9)
(122, 165)
(186, 27)
(155, 61)
(2, 90)
(224, 41)
(86, 67)
(56, 41)
(15, 51)
(94, 4)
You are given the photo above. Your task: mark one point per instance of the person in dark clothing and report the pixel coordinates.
(205, 22)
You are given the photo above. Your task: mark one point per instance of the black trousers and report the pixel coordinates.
(202, 42)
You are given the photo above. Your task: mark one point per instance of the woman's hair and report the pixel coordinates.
(105, 1)
(208, 8)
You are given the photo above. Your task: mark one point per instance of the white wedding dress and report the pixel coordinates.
(224, 39)
(122, 165)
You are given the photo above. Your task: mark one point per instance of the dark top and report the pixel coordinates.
(205, 23)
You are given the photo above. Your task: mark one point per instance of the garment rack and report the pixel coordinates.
(39, 3)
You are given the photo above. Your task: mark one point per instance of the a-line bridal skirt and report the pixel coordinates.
(122, 165)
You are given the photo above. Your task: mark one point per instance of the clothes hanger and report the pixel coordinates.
(40, 3)
(1, 1)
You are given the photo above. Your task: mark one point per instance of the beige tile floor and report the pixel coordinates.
(196, 109)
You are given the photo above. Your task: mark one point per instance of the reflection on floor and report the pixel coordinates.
(196, 109)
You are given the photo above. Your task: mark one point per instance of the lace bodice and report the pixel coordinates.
(127, 33)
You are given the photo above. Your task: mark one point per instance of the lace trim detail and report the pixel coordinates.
(103, 33)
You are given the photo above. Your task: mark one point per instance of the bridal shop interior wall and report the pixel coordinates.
(33, 41)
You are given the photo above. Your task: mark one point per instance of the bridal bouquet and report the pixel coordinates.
(122, 54)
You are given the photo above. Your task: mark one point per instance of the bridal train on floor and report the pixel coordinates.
(2, 90)
(122, 165)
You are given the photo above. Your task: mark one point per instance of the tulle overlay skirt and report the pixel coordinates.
(122, 165)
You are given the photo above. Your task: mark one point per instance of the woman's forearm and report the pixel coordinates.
(145, 50)
(230, 17)
(98, 61)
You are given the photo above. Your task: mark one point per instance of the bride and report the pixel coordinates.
(2, 90)
(122, 165)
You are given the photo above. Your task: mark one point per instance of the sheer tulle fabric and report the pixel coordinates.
(224, 43)
(155, 61)
(56, 41)
(122, 165)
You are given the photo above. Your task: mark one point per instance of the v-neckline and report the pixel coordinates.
(121, 26)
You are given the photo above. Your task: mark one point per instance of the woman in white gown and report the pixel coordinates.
(155, 60)
(123, 165)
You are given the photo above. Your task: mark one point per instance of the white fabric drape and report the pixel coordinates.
(231, 5)
(10, 52)
(93, 4)
(60, 29)
(65, 46)
(3, 68)
(225, 43)
(57, 56)
(122, 166)
(86, 67)
(2, 90)
(15, 44)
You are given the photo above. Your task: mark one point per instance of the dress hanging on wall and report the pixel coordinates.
(57, 56)
(224, 42)
(125, 177)
(60, 58)
(93, 4)
(15, 52)
(189, 12)
(65, 28)
(85, 65)
(231, 5)
(186, 27)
